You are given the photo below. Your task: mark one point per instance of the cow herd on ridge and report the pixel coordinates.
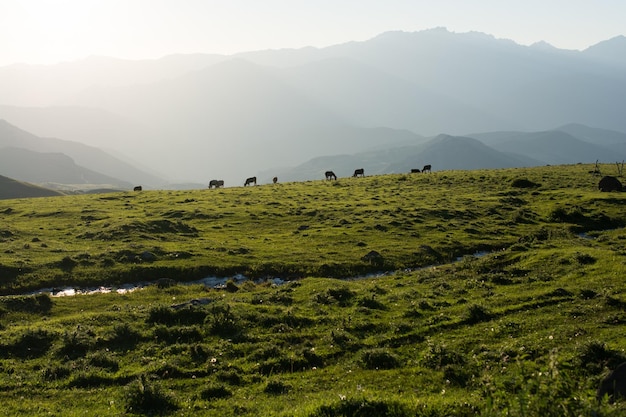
(329, 175)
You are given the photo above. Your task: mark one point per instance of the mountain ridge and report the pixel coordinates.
(199, 118)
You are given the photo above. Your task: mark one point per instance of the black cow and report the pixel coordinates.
(415, 170)
(330, 175)
(359, 172)
(275, 180)
(216, 183)
(251, 180)
(426, 168)
(137, 188)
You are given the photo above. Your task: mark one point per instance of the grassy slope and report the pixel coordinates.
(528, 329)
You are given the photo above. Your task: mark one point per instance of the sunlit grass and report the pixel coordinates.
(443, 332)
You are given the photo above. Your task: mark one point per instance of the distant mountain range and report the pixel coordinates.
(192, 118)
(471, 152)
(46, 160)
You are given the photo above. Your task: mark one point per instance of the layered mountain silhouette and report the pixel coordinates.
(27, 157)
(199, 117)
(477, 151)
(51, 169)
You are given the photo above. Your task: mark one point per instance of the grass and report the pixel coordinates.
(529, 328)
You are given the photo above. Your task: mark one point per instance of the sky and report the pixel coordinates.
(52, 31)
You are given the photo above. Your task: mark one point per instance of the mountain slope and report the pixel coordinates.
(84, 155)
(550, 147)
(443, 152)
(611, 50)
(10, 188)
(50, 168)
(593, 135)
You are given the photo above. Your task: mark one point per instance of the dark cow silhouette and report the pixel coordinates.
(415, 171)
(330, 175)
(359, 172)
(251, 180)
(613, 385)
(138, 188)
(275, 180)
(609, 183)
(216, 183)
(426, 168)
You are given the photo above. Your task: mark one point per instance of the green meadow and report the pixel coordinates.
(456, 293)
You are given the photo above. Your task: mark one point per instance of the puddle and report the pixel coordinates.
(211, 282)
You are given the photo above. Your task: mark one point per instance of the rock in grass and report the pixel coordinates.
(608, 184)
(614, 385)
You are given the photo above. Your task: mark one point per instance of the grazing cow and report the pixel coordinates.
(359, 172)
(137, 188)
(608, 184)
(415, 170)
(330, 175)
(614, 385)
(216, 183)
(251, 180)
(426, 168)
(275, 180)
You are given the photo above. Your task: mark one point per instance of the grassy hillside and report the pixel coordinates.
(10, 189)
(527, 328)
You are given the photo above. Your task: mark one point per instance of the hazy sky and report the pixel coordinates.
(50, 31)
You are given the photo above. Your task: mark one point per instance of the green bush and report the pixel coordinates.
(215, 392)
(276, 388)
(379, 359)
(32, 344)
(146, 397)
(354, 407)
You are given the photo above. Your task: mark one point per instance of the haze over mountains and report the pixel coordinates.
(296, 113)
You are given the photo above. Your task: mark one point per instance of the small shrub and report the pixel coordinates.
(215, 392)
(438, 356)
(476, 314)
(457, 375)
(379, 359)
(342, 295)
(124, 336)
(183, 334)
(32, 344)
(584, 259)
(145, 397)
(223, 321)
(594, 356)
(77, 343)
(524, 183)
(40, 303)
(54, 373)
(104, 360)
(170, 316)
(91, 380)
(354, 407)
(371, 303)
(276, 388)
(67, 263)
(230, 376)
